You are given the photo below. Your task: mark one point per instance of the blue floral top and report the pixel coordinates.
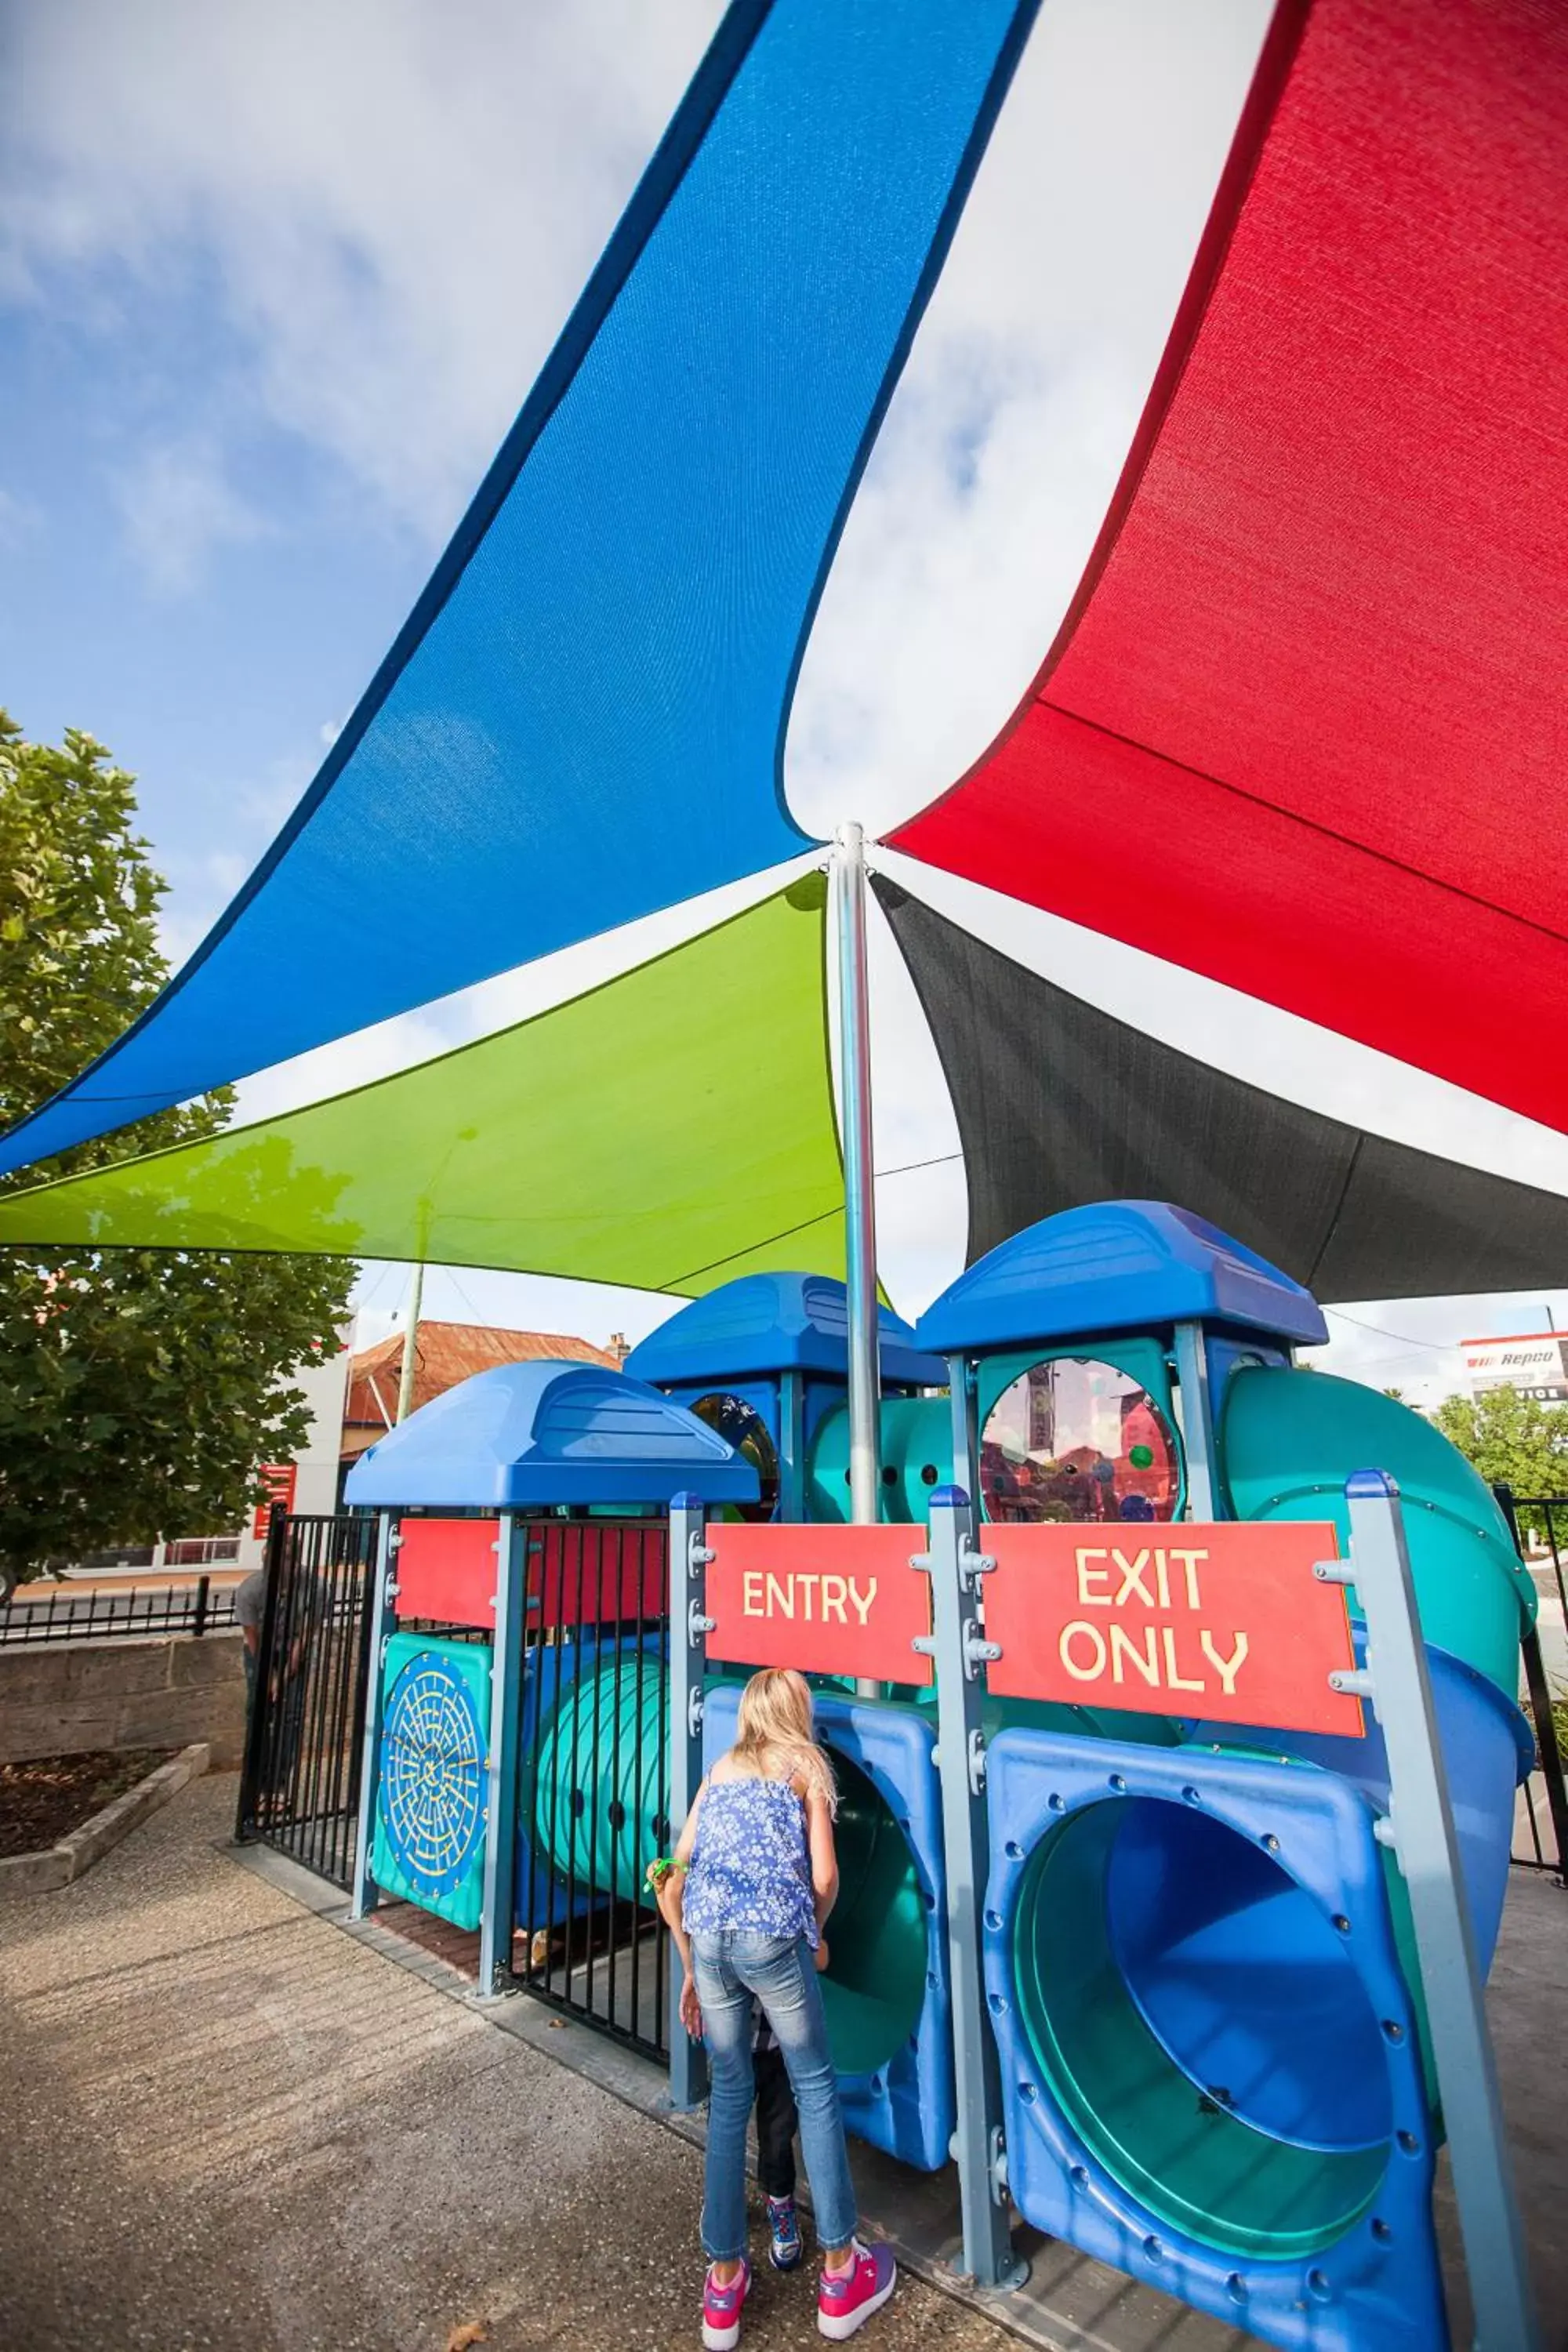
(750, 1870)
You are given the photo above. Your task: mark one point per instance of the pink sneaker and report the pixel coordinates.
(844, 2302)
(721, 2309)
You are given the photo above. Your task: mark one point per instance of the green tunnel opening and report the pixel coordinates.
(874, 1987)
(1203, 2026)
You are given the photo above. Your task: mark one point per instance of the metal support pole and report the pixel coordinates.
(1420, 1829)
(689, 1631)
(496, 1921)
(411, 1341)
(960, 1649)
(1540, 1709)
(860, 1188)
(365, 1895)
(859, 1204)
(1197, 1422)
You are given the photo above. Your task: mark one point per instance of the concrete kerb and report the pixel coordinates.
(57, 1866)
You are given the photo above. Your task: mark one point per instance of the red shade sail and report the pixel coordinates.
(1303, 728)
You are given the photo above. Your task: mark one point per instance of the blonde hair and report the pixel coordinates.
(775, 1723)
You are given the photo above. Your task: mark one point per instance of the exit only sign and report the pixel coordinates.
(1223, 1621)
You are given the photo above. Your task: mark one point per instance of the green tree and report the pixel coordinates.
(1513, 1440)
(138, 1390)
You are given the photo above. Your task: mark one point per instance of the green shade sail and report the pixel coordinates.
(666, 1132)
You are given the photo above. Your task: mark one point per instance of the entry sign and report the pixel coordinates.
(824, 1600)
(1223, 1621)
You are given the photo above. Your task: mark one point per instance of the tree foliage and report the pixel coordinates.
(1513, 1440)
(139, 1390)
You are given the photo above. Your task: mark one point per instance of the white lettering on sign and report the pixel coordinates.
(1162, 1657)
(803, 1595)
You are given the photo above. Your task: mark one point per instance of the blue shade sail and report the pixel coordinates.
(584, 717)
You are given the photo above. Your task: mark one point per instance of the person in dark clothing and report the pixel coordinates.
(776, 2124)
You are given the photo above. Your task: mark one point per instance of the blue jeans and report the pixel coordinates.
(781, 1972)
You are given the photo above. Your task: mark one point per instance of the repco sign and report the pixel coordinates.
(1226, 1622)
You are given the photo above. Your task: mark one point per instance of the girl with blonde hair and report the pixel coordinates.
(753, 1878)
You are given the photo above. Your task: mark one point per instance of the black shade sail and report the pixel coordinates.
(1059, 1104)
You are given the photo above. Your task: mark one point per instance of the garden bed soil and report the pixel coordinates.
(44, 1801)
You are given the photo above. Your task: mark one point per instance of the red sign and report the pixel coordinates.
(1226, 1622)
(581, 1572)
(279, 1479)
(824, 1599)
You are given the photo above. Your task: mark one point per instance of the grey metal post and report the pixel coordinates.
(961, 1650)
(966, 1433)
(689, 1631)
(860, 1188)
(364, 1895)
(497, 1923)
(1197, 1422)
(1420, 1830)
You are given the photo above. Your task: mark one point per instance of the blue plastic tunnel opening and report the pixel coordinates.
(1203, 2025)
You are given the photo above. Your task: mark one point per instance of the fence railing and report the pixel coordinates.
(87, 1613)
(1540, 1526)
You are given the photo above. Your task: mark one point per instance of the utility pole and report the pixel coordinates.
(859, 1196)
(410, 1342)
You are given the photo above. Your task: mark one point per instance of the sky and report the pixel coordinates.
(274, 280)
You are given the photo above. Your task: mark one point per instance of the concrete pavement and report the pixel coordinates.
(228, 2124)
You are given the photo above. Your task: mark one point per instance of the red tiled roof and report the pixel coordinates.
(445, 1353)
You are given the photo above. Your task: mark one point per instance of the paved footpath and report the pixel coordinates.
(227, 2124)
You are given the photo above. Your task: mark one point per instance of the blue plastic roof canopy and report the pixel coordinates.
(1116, 1266)
(765, 1323)
(582, 718)
(540, 1433)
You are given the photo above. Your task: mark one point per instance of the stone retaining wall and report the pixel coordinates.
(62, 1698)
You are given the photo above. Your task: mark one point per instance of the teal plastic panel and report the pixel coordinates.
(430, 1799)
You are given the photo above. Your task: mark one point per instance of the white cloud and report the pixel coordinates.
(177, 505)
(392, 204)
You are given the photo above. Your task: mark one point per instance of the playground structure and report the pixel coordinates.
(1202, 1986)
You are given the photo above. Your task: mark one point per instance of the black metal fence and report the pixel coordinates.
(1540, 1526)
(595, 1777)
(300, 1786)
(83, 1612)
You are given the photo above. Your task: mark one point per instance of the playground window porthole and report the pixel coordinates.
(733, 1419)
(1341, 1923)
(1075, 1439)
(1407, 2143)
(930, 1473)
(1392, 2030)
(1382, 2233)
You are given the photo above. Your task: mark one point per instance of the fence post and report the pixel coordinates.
(497, 1920)
(255, 1720)
(1420, 1830)
(363, 1894)
(960, 1649)
(199, 1621)
(689, 1630)
(1541, 1707)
